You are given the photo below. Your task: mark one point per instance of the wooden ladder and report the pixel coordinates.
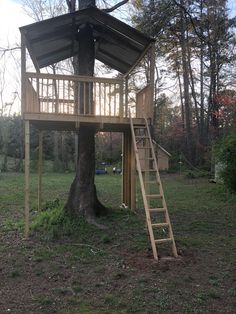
(154, 202)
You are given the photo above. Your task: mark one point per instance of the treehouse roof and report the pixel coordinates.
(117, 44)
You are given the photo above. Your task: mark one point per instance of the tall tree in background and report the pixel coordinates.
(197, 42)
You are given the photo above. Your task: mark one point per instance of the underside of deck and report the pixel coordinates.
(60, 122)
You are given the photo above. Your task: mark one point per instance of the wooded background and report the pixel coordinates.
(195, 87)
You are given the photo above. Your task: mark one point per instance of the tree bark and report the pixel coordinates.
(187, 104)
(82, 198)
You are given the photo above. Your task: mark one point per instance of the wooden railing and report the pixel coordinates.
(67, 94)
(81, 95)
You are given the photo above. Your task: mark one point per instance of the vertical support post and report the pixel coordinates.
(27, 171)
(40, 162)
(152, 76)
(129, 187)
(126, 96)
(133, 177)
(124, 169)
(76, 149)
(121, 111)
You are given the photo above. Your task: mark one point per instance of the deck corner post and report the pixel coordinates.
(121, 111)
(129, 172)
(152, 77)
(40, 165)
(133, 178)
(126, 96)
(27, 172)
(23, 74)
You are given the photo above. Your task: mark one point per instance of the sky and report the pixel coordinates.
(12, 16)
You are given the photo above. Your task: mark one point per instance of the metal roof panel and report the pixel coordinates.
(117, 44)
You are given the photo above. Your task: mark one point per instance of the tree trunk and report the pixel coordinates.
(187, 104)
(203, 139)
(82, 198)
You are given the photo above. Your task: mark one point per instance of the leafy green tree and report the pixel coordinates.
(226, 154)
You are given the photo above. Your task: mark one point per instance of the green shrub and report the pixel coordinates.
(226, 154)
(53, 221)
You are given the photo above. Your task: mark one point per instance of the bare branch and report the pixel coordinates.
(3, 51)
(116, 6)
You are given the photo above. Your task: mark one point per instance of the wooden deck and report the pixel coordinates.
(67, 101)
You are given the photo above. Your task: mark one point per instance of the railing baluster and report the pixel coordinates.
(105, 99)
(88, 93)
(37, 90)
(84, 97)
(71, 93)
(78, 89)
(47, 95)
(114, 92)
(95, 98)
(121, 100)
(100, 100)
(63, 96)
(109, 97)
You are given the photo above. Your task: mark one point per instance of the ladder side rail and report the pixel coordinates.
(148, 217)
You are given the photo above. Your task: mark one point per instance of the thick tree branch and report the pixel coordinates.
(3, 50)
(116, 6)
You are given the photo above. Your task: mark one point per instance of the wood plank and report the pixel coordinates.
(163, 240)
(79, 78)
(157, 210)
(27, 171)
(160, 225)
(81, 118)
(40, 164)
(23, 73)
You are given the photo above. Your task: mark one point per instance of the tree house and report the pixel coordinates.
(64, 102)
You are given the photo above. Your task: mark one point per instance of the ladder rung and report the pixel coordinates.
(141, 136)
(144, 147)
(146, 170)
(152, 182)
(163, 240)
(157, 210)
(160, 225)
(149, 158)
(154, 195)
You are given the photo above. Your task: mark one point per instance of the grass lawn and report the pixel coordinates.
(112, 271)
